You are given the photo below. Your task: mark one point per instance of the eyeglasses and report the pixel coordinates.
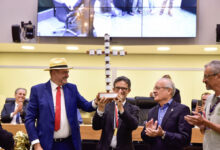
(157, 88)
(120, 88)
(209, 75)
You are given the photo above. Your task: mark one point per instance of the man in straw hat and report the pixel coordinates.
(53, 105)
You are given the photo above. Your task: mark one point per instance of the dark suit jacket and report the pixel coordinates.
(128, 121)
(41, 108)
(6, 139)
(8, 109)
(178, 131)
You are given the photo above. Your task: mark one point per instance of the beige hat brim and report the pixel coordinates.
(48, 69)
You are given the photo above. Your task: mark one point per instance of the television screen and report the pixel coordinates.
(118, 18)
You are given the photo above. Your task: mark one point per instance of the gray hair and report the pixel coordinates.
(170, 85)
(215, 66)
(20, 89)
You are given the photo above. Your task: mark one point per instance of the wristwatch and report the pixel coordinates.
(163, 136)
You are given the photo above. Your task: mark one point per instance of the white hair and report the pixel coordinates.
(170, 85)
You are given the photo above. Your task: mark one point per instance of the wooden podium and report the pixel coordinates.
(87, 133)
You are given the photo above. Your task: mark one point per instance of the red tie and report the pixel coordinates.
(116, 116)
(58, 109)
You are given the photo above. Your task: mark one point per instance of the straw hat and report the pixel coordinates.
(58, 63)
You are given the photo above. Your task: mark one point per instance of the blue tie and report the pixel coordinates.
(17, 118)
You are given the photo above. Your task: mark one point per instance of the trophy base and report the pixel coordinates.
(108, 95)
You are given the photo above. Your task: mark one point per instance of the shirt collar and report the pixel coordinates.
(54, 85)
(167, 104)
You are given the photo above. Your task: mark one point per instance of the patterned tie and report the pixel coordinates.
(17, 118)
(58, 109)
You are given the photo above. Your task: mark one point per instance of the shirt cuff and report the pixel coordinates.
(11, 115)
(93, 104)
(121, 113)
(100, 113)
(35, 142)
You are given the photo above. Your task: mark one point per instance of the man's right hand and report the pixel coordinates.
(151, 124)
(20, 107)
(102, 103)
(37, 146)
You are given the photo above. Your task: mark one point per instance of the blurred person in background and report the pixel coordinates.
(15, 112)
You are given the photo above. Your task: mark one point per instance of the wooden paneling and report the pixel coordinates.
(87, 133)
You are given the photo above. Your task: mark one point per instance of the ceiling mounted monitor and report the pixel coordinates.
(118, 18)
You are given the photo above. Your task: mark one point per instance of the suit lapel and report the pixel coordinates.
(154, 113)
(49, 97)
(12, 107)
(169, 111)
(66, 98)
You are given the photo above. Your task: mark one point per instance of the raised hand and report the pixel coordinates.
(20, 106)
(119, 102)
(151, 124)
(152, 130)
(196, 119)
(101, 102)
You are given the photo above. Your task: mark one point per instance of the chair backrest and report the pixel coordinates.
(10, 100)
(131, 100)
(61, 10)
(193, 104)
(145, 102)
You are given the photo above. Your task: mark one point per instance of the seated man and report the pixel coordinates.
(116, 119)
(166, 128)
(15, 112)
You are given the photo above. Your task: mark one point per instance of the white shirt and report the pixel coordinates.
(65, 129)
(13, 121)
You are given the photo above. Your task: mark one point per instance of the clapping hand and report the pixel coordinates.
(196, 119)
(19, 107)
(152, 130)
(119, 103)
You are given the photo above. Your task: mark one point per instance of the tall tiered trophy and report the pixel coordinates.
(107, 52)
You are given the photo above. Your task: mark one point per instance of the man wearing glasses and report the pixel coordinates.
(166, 128)
(116, 119)
(209, 123)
